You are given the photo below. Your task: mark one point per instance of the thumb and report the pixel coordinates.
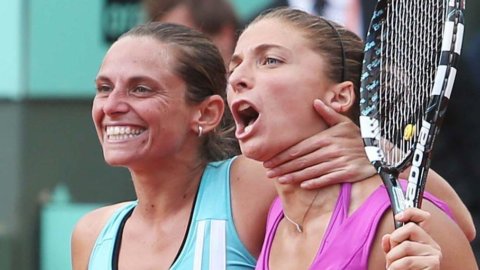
(328, 114)
(386, 243)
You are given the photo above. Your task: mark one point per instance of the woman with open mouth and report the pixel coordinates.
(285, 60)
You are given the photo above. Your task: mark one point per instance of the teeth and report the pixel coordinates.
(248, 128)
(243, 107)
(122, 132)
(120, 137)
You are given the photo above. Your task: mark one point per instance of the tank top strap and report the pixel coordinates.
(212, 241)
(214, 188)
(104, 248)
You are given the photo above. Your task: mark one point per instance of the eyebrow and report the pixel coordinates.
(100, 78)
(131, 79)
(236, 59)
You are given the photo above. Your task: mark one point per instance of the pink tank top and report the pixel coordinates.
(348, 239)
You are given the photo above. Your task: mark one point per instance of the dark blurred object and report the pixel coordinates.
(216, 18)
(457, 150)
(118, 16)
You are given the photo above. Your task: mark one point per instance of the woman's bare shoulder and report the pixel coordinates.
(456, 250)
(252, 193)
(96, 219)
(86, 232)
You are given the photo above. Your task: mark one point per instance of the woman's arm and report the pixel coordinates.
(441, 189)
(418, 243)
(83, 239)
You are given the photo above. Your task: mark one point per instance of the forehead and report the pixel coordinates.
(273, 31)
(142, 54)
(140, 47)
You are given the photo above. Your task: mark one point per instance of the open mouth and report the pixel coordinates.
(245, 116)
(248, 115)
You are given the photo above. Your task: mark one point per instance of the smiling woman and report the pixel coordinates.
(144, 87)
(151, 104)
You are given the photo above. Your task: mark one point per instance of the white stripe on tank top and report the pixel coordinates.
(217, 245)
(217, 248)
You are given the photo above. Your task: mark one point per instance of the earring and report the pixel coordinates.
(200, 131)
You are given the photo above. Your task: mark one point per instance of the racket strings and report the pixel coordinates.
(411, 44)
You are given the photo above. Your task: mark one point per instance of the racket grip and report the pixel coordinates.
(395, 193)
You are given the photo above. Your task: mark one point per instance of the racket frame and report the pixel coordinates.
(419, 155)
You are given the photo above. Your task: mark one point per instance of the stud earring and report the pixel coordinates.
(200, 131)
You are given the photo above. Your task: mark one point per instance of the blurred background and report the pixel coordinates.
(51, 166)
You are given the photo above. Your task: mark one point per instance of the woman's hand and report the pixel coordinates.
(410, 246)
(332, 156)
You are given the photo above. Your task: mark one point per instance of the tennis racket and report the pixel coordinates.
(411, 54)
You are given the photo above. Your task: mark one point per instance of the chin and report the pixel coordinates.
(257, 153)
(114, 160)
(263, 150)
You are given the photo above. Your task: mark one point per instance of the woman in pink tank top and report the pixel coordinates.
(284, 60)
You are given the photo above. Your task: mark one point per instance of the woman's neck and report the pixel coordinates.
(300, 205)
(166, 188)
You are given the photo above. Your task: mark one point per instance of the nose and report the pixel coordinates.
(241, 79)
(115, 103)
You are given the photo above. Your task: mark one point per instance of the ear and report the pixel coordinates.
(208, 114)
(341, 97)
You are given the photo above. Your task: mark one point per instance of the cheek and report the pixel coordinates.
(230, 95)
(97, 117)
(96, 112)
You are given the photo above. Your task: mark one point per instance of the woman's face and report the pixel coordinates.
(139, 110)
(275, 77)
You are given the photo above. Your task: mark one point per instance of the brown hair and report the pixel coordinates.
(209, 16)
(341, 48)
(201, 67)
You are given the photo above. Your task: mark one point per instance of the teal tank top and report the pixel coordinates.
(212, 241)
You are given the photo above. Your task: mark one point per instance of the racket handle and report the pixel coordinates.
(395, 193)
